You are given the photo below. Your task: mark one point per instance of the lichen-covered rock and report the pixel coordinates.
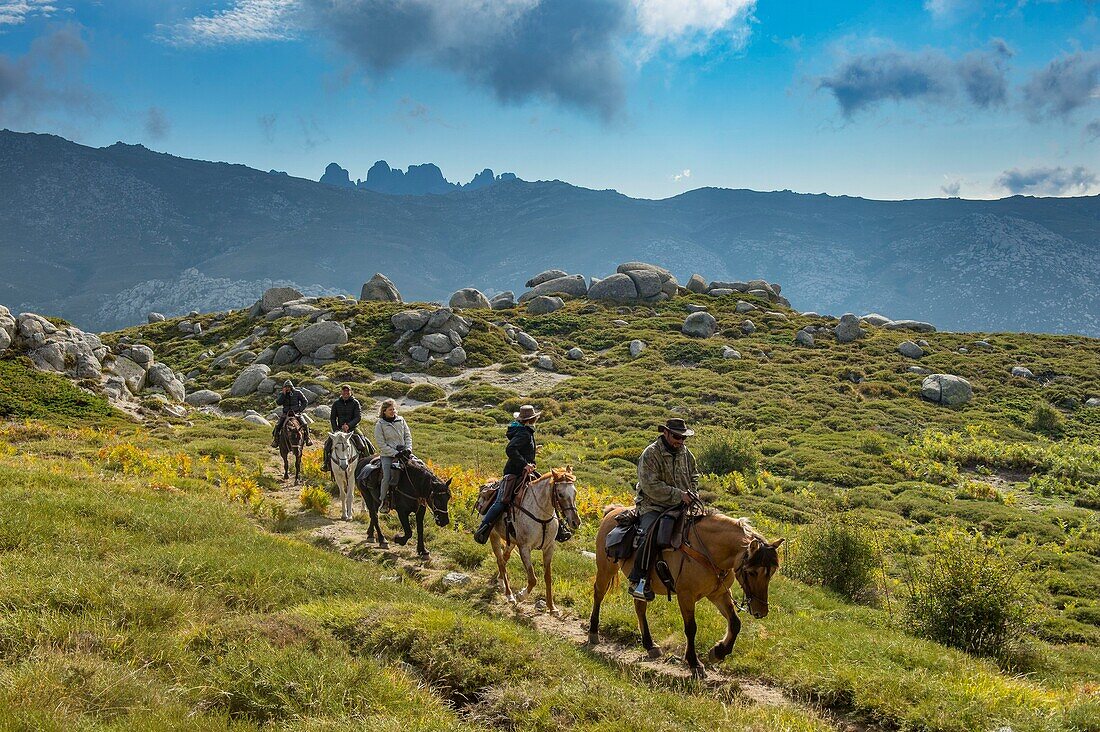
(250, 378)
(380, 288)
(915, 325)
(1022, 372)
(273, 297)
(456, 356)
(910, 349)
(571, 285)
(437, 343)
(697, 284)
(545, 363)
(616, 288)
(527, 341)
(699, 325)
(574, 354)
(748, 327)
(636, 347)
(503, 300)
(544, 304)
(804, 338)
(546, 276)
(287, 354)
(203, 398)
(876, 319)
(647, 281)
(469, 297)
(312, 337)
(946, 389)
(131, 373)
(154, 318)
(847, 330)
(160, 375)
(731, 353)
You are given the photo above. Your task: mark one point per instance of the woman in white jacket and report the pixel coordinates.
(393, 438)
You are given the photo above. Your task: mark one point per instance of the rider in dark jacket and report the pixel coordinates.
(521, 460)
(292, 400)
(345, 416)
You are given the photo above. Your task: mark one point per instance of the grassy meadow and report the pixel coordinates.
(148, 580)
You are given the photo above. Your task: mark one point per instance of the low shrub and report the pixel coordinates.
(387, 388)
(315, 498)
(967, 595)
(727, 451)
(426, 393)
(839, 555)
(1046, 418)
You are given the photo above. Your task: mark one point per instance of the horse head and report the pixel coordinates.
(565, 495)
(760, 562)
(343, 449)
(438, 491)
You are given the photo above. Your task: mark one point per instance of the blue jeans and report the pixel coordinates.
(387, 474)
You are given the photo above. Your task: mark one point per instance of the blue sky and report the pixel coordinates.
(977, 98)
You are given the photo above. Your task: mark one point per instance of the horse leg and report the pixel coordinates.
(297, 464)
(687, 612)
(547, 563)
(421, 550)
(723, 600)
(502, 568)
(286, 463)
(605, 575)
(406, 529)
(640, 608)
(525, 557)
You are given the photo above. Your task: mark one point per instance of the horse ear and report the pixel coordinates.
(452, 478)
(754, 546)
(778, 543)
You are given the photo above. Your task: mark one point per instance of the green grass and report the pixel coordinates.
(26, 393)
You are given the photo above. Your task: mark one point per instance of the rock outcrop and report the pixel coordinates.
(380, 288)
(946, 389)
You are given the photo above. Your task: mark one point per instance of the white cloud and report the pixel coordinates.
(690, 26)
(683, 174)
(16, 12)
(246, 20)
(947, 9)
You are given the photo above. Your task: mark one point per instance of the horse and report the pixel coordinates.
(535, 522)
(716, 551)
(417, 490)
(343, 462)
(292, 439)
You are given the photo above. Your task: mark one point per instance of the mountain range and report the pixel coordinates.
(418, 180)
(102, 235)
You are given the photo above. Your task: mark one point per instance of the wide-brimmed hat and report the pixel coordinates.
(677, 426)
(526, 413)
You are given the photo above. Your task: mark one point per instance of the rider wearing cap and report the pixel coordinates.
(293, 401)
(667, 477)
(521, 460)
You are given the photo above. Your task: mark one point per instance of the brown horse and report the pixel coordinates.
(292, 439)
(717, 550)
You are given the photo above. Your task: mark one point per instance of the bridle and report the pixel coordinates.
(437, 489)
(556, 501)
(354, 450)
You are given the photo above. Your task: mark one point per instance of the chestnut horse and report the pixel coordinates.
(717, 550)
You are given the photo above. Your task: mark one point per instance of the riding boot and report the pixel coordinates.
(275, 434)
(305, 427)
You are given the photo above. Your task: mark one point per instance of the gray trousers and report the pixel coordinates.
(387, 474)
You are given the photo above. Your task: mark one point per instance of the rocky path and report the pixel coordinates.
(436, 575)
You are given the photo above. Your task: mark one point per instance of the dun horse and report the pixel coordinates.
(344, 461)
(292, 439)
(536, 527)
(417, 490)
(717, 550)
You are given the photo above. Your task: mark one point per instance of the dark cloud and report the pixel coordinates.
(1066, 84)
(1048, 181)
(864, 81)
(156, 123)
(562, 51)
(45, 78)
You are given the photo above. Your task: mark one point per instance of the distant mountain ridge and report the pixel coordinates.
(418, 180)
(98, 235)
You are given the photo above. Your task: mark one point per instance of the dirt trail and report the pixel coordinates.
(350, 539)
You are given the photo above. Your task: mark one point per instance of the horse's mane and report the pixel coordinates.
(766, 555)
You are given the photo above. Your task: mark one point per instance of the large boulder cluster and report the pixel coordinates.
(428, 336)
(131, 369)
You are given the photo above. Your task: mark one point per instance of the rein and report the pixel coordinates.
(420, 500)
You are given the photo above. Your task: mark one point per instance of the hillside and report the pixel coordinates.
(155, 576)
(102, 236)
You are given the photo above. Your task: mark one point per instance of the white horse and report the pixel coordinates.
(345, 458)
(536, 524)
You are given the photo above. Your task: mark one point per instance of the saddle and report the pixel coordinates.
(366, 467)
(669, 531)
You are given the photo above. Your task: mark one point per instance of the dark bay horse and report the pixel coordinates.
(719, 550)
(417, 490)
(292, 439)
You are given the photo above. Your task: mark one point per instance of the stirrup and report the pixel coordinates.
(482, 534)
(641, 592)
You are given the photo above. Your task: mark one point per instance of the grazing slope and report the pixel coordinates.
(101, 236)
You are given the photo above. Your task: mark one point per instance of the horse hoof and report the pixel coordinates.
(521, 596)
(424, 554)
(593, 639)
(512, 599)
(383, 545)
(698, 672)
(655, 652)
(556, 613)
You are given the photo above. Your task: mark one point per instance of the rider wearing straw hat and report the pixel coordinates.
(521, 461)
(667, 477)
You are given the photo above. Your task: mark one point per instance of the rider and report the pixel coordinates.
(667, 477)
(345, 416)
(521, 461)
(293, 401)
(395, 441)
